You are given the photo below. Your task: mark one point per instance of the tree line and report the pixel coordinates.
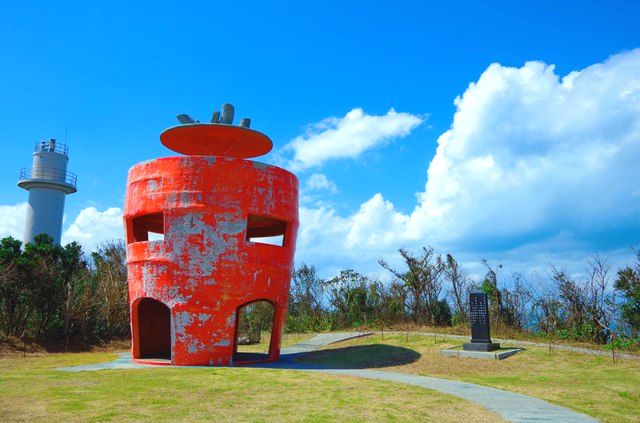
(433, 290)
(50, 293)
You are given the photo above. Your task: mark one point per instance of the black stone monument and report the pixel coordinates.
(479, 318)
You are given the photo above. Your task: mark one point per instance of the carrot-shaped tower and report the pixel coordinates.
(194, 257)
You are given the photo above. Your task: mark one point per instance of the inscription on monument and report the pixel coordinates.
(479, 319)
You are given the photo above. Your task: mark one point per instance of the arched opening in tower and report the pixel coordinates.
(153, 330)
(254, 331)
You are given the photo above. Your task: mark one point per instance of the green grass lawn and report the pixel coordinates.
(31, 389)
(592, 385)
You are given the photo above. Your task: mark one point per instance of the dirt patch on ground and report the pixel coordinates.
(11, 346)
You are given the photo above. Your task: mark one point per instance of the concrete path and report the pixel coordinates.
(122, 362)
(510, 406)
(318, 341)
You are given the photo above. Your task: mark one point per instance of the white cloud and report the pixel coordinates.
(315, 188)
(376, 225)
(92, 227)
(12, 220)
(530, 156)
(347, 137)
(319, 182)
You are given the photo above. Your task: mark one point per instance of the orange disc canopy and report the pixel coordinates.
(206, 139)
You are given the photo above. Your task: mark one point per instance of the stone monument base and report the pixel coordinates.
(491, 355)
(480, 346)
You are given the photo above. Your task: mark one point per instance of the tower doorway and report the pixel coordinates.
(153, 329)
(254, 331)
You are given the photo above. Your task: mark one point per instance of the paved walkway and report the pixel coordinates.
(510, 406)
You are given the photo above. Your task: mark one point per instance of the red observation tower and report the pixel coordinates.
(208, 233)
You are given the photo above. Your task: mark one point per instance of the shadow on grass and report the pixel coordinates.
(360, 357)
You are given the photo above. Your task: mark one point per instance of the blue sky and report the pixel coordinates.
(116, 75)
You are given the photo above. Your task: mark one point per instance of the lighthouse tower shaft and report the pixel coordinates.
(48, 182)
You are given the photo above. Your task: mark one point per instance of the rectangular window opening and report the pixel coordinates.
(266, 230)
(149, 227)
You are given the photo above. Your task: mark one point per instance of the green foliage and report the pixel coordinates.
(305, 312)
(506, 306)
(302, 323)
(624, 343)
(108, 282)
(488, 288)
(422, 281)
(582, 332)
(352, 298)
(459, 319)
(442, 312)
(628, 284)
(346, 301)
(49, 292)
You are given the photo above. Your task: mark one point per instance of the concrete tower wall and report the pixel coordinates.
(49, 165)
(44, 213)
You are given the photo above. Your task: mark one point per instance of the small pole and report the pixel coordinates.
(613, 347)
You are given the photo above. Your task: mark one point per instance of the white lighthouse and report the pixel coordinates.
(48, 182)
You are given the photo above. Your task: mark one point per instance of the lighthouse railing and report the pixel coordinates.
(49, 175)
(52, 146)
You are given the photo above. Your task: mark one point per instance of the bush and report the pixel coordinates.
(442, 313)
(583, 332)
(629, 344)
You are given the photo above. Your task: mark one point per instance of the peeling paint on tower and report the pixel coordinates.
(210, 205)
